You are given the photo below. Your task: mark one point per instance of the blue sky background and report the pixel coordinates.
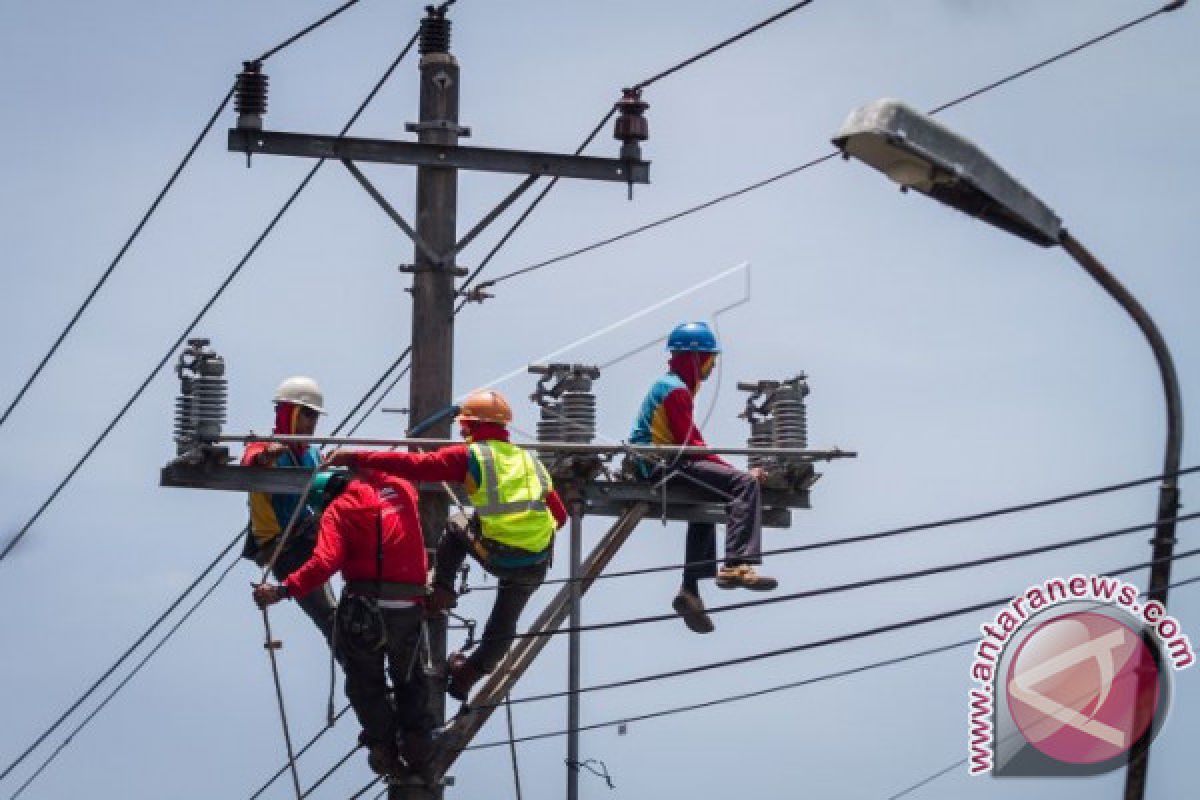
(969, 369)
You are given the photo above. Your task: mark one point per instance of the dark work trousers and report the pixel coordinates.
(742, 497)
(385, 715)
(319, 604)
(516, 586)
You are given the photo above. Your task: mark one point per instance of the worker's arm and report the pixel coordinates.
(262, 454)
(679, 410)
(445, 464)
(555, 504)
(327, 557)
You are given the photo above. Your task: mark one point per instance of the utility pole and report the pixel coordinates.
(438, 158)
(432, 376)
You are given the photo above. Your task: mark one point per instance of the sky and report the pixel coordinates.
(968, 369)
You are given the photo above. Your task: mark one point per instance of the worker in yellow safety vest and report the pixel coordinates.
(510, 534)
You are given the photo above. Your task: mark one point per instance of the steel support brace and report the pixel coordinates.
(391, 211)
(462, 729)
(421, 154)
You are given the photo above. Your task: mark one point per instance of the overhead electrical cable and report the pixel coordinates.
(137, 229)
(124, 681)
(233, 542)
(803, 648)
(797, 648)
(721, 45)
(869, 582)
(600, 126)
(207, 305)
(928, 779)
(128, 652)
(891, 532)
(825, 157)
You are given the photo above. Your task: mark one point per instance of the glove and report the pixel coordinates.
(267, 594)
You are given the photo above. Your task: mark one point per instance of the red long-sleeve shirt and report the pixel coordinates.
(348, 536)
(452, 464)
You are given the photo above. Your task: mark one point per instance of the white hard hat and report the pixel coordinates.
(302, 391)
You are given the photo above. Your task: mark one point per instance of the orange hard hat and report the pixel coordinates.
(486, 406)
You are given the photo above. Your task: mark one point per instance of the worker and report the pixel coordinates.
(371, 534)
(666, 418)
(298, 404)
(510, 534)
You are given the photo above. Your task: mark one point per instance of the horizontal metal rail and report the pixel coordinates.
(575, 448)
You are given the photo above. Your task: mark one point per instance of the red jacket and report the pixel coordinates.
(347, 539)
(452, 464)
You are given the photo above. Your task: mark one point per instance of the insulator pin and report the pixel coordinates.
(250, 96)
(434, 32)
(631, 126)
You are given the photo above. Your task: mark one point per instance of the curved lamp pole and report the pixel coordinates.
(919, 153)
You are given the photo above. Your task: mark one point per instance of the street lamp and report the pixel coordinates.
(920, 153)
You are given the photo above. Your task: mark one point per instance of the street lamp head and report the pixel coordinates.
(920, 153)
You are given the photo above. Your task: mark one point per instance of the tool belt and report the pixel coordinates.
(386, 590)
(493, 554)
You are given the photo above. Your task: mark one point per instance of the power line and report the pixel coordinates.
(137, 668)
(128, 652)
(801, 648)
(863, 584)
(600, 126)
(722, 44)
(525, 214)
(928, 779)
(306, 31)
(892, 532)
(236, 539)
(205, 308)
(819, 159)
(137, 230)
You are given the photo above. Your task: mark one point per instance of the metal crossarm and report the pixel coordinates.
(421, 154)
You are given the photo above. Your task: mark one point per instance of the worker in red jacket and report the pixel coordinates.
(511, 533)
(371, 534)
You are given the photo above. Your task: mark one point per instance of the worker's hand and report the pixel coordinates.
(759, 474)
(267, 594)
(340, 458)
(270, 454)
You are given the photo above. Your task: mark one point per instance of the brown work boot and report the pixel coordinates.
(463, 675)
(743, 576)
(689, 606)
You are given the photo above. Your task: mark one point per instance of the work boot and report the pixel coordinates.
(743, 576)
(384, 759)
(418, 751)
(442, 598)
(689, 606)
(463, 675)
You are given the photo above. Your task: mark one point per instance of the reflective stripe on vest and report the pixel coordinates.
(511, 496)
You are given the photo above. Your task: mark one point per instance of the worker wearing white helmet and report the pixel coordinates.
(298, 405)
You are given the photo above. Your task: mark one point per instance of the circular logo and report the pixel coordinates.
(1083, 687)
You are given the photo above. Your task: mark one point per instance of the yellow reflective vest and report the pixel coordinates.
(511, 496)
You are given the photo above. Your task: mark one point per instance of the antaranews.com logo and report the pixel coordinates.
(1070, 675)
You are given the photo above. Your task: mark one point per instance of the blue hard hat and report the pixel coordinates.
(693, 337)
